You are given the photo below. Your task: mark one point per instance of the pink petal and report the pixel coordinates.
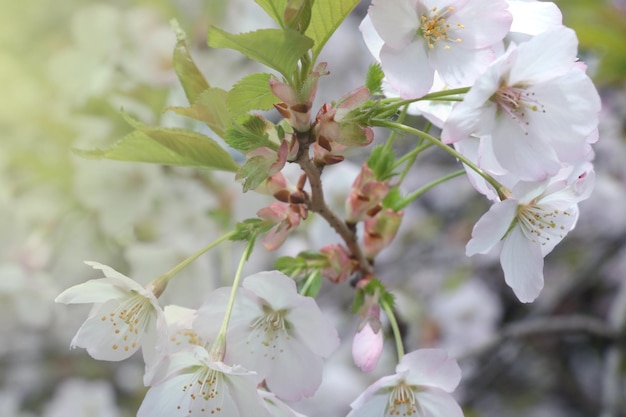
(312, 327)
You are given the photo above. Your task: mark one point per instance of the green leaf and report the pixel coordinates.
(326, 16)
(278, 49)
(168, 146)
(190, 77)
(251, 93)
(274, 8)
(210, 108)
(254, 172)
(374, 78)
(249, 135)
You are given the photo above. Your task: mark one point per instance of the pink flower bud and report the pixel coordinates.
(366, 195)
(367, 345)
(286, 216)
(380, 231)
(340, 264)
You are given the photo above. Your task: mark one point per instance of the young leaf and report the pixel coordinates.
(326, 16)
(254, 172)
(250, 228)
(297, 14)
(166, 146)
(274, 8)
(190, 77)
(249, 135)
(374, 78)
(278, 49)
(210, 108)
(251, 93)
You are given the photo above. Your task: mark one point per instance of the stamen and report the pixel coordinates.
(434, 28)
(515, 101)
(403, 401)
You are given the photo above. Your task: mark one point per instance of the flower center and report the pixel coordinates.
(538, 224)
(204, 387)
(435, 28)
(516, 101)
(271, 329)
(129, 321)
(403, 401)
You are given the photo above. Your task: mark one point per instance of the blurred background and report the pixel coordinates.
(67, 68)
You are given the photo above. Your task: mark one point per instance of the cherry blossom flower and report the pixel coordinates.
(273, 330)
(420, 37)
(125, 316)
(189, 383)
(421, 386)
(533, 109)
(531, 223)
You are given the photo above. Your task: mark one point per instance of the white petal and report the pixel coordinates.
(408, 70)
(276, 288)
(296, 373)
(485, 23)
(522, 263)
(106, 336)
(381, 385)
(112, 273)
(491, 227)
(572, 106)
(372, 39)
(436, 402)
(527, 156)
(534, 17)
(460, 67)
(163, 400)
(93, 291)
(396, 22)
(430, 367)
(373, 406)
(544, 57)
(313, 328)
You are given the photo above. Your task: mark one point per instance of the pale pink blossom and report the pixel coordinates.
(531, 223)
(274, 331)
(533, 109)
(420, 37)
(125, 316)
(421, 386)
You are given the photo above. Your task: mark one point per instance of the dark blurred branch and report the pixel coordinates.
(547, 326)
(611, 383)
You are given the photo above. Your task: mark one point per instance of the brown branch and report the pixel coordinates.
(317, 204)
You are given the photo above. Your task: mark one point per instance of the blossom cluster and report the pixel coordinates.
(526, 124)
(521, 117)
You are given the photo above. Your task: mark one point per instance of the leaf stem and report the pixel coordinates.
(417, 193)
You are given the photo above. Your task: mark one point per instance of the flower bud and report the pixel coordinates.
(367, 345)
(380, 231)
